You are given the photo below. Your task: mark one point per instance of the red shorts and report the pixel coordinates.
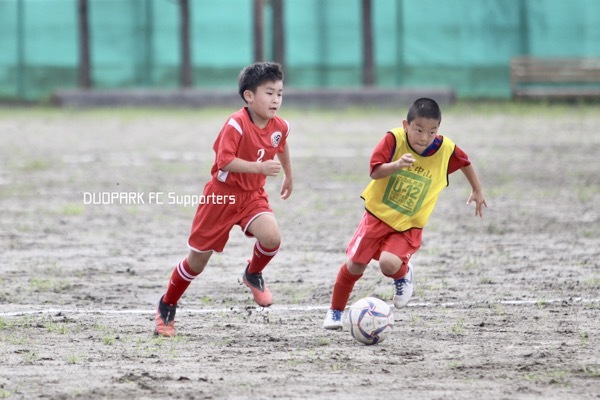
(222, 208)
(374, 236)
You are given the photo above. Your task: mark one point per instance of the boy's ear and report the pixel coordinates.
(405, 125)
(248, 95)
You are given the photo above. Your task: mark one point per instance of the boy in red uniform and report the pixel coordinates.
(409, 168)
(244, 156)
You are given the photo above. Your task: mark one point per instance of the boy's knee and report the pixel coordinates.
(355, 268)
(270, 242)
(390, 266)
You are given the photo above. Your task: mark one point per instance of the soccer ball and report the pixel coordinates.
(369, 320)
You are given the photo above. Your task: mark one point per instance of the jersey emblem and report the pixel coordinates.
(276, 138)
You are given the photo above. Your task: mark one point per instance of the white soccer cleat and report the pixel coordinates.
(404, 288)
(333, 319)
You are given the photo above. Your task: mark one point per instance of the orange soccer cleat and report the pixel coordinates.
(164, 323)
(256, 283)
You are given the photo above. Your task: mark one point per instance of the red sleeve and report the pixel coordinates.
(226, 145)
(384, 151)
(458, 160)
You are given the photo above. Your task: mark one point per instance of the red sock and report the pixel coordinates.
(260, 258)
(401, 272)
(181, 278)
(344, 283)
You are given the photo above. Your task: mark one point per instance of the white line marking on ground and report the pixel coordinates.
(276, 308)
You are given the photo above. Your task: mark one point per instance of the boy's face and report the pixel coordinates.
(421, 132)
(265, 102)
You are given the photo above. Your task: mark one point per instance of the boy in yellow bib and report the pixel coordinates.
(409, 168)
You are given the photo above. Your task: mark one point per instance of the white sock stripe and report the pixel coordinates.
(262, 251)
(183, 273)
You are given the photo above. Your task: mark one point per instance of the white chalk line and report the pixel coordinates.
(287, 308)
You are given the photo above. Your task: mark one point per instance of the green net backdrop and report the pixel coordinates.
(463, 44)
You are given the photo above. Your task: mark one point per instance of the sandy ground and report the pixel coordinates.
(507, 307)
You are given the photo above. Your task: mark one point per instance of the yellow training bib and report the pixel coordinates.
(407, 198)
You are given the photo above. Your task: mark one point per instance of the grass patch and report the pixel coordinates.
(591, 371)
(296, 294)
(73, 209)
(30, 357)
(53, 327)
(542, 303)
(499, 310)
(108, 340)
(36, 165)
(591, 282)
(586, 194)
(539, 109)
(458, 328)
(460, 108)
(72, 359)
(554, 377)
(470, 264)
(45, 285)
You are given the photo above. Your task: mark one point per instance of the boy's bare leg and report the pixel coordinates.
(266, 230)
(198, 260)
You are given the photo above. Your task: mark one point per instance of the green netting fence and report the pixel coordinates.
(463, 44)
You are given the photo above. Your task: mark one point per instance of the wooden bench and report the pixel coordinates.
(555, 78)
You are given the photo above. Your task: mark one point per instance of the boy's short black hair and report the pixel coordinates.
(258, 73)
(424, 108)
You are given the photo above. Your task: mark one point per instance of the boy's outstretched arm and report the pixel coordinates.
(286, 164)
(476, 190)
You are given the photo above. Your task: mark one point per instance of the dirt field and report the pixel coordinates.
(507, 307)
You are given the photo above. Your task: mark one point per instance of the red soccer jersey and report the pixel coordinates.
(241, 138)
(387, 147)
